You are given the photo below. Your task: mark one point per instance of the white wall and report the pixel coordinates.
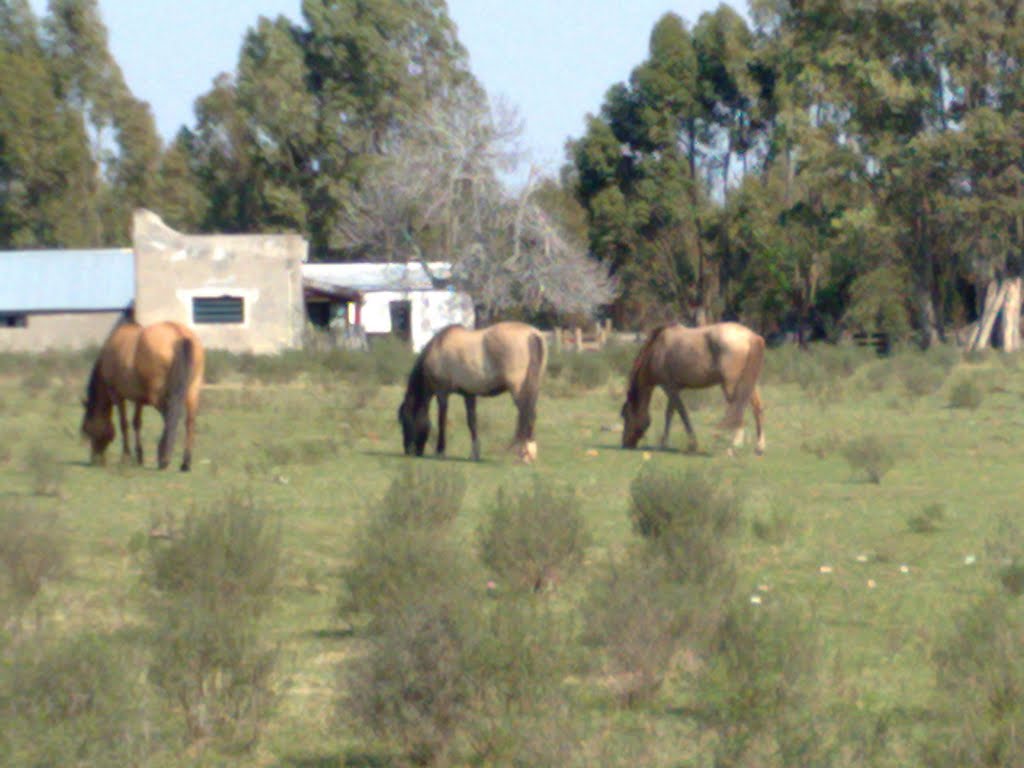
(431, 311)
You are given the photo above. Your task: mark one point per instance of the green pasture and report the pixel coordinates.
(881, 571)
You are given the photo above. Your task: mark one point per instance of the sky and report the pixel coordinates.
(551, 59)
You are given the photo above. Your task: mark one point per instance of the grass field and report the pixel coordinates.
(882, 572)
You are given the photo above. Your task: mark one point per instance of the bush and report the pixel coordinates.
(688, 520)
(213, 582)
(532, 537)
(71, 702)
(966, 393)
(404, 547)
(638, 615)
(929, 519)
(871, 455)
(757, 688)
(919, 376)
(33, 551)
(980, 688)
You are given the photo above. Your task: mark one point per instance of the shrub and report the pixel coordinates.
(980, 687)
(966, 393)
(637, 613)
(620, 357)
(871, 455)
(919, 376)
(404, 547)
(44, 470)
(213, 582)
(929, 519)
(411, 689)
(33, 551)
(532, 537)
(69, 702)
(757, 688)
(687, 519)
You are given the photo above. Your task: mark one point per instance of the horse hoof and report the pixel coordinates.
(186, 467)
(162, 464)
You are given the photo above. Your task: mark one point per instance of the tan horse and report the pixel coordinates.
(506, 357)
(675, 357)
(160, 365)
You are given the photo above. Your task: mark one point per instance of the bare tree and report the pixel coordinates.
(437, 195)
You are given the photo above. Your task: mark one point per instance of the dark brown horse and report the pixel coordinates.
(160, 365)
(675, 357)
(506, 357)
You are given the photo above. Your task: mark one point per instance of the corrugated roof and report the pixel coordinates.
(363, 276)
(66, 280)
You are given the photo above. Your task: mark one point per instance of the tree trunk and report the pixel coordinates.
(995, 297)
(1011, 316)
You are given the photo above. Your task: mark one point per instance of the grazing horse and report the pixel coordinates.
(675, 357)
(506, 357)
(159, 365)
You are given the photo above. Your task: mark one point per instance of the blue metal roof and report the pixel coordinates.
(66, 280)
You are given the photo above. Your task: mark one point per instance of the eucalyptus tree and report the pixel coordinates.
(47, 173)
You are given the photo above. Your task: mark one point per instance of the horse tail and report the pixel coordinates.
(179, 377)
(530, 389)
(745, 384)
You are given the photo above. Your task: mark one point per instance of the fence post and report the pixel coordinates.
(578, 338)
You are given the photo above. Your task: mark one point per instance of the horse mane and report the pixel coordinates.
(633, 393)
(92, 389)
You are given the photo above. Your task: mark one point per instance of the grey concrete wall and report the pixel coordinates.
(59, 330)
(265, 270)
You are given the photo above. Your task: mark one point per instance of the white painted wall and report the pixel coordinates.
(431, 311)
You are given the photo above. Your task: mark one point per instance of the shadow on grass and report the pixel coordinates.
(339, 760)
(700, 453)
(447, 458)
(334, 633)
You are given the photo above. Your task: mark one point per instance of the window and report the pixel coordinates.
(13, 320)
(220, 310)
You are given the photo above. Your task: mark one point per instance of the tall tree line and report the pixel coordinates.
(830, 165)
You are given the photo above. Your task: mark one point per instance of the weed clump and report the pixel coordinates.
(929, 520)
(687, 519)
(980, 687)
(966, 393)
(871, 455)
(211, 584)
(33, 551)
(404, 547)
(534, 536)
(70, 701)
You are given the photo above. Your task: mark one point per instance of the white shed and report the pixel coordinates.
(408, 300)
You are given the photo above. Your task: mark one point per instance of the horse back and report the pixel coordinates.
(485, 362)
(155, 353)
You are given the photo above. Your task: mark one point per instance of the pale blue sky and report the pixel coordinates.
(552, 59)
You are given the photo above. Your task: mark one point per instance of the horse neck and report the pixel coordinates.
(640, 388)
(98, 400)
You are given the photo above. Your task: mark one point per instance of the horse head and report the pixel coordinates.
(635, 421)
(98, 427)
(415, 420)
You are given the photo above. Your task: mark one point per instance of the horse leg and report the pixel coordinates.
(668, 423)
(191, 407)
(758, 408)
(526, 446)
(122, 415)
(442, 422)
(674, 401)
(137, 429)
(471, 423)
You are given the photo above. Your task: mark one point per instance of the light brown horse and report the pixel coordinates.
(506, 357)
(160, 365)
(675, 357)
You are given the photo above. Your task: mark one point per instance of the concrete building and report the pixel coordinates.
(406, 300)
(66, 299)
(241, 293)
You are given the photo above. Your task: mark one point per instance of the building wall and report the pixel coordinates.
(173, 269)
(59, 330)
(431, 311)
